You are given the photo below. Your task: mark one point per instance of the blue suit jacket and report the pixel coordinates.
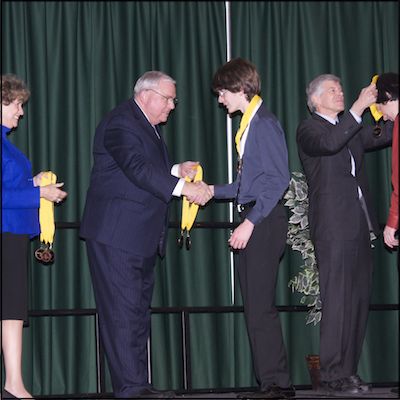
(130, 186)
(20, 200)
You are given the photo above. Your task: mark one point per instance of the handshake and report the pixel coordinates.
(196, 192)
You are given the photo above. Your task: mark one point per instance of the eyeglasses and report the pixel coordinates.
(174, 100)
(222, 92)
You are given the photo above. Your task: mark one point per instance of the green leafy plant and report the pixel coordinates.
(306, 281)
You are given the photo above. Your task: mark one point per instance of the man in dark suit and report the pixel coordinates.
(331, 147)
(125, 223)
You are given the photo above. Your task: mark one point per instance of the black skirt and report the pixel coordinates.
(14, 276)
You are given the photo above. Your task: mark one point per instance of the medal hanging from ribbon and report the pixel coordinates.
(44, 253)
(189, 212)
(375, 113)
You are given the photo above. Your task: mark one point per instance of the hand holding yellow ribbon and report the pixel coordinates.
(189, 211)
(373, 108)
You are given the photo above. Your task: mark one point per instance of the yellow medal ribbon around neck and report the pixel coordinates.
(46, 212)
(373, 108)
(246, 119)
(189, 211)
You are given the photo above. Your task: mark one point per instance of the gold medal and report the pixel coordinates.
(44, 254)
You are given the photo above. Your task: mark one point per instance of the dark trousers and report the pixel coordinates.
(123, 288)
(258, 268)
(345, 275)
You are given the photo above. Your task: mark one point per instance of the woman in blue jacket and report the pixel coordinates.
(20, 194)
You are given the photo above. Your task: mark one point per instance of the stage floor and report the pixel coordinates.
(376, 393)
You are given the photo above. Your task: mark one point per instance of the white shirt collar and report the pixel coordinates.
(329, 119)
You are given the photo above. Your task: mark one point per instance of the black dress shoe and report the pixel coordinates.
(274, 392)
(289, 391)
(357, 381)
(330, 387)
(339, 387)
(7, 395)
(270, 392)
(150, 393)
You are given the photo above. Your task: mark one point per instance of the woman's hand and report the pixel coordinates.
(38, 178)
(389, 237)
(53, 192)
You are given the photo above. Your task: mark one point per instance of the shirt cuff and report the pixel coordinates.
(356, 117)
(178, 188)
(175, 170)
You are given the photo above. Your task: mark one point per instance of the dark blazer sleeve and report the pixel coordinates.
(325, 151)
(372, 141)
(130, 185)
(125, 144)
(318, 137)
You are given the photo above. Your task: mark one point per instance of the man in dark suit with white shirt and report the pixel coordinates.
(125, 222)
(331, 147)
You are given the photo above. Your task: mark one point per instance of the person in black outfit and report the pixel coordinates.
(125, 224)
(331, 147)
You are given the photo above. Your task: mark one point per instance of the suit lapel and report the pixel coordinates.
(163, 146)
(148, 128)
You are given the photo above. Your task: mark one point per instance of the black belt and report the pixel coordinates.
(251, 204)
(242, 207)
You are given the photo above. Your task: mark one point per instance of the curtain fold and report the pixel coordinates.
(80, 59)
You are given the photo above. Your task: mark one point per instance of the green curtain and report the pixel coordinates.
(291, 43)
(80, 59)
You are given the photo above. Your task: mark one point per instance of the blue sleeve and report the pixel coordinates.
(227, 191)
(272, 152)
(27, 197)
(17, 189)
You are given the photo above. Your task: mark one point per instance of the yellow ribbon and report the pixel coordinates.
(373, 108)
(246, 119)
(46, 212)
(189, 211)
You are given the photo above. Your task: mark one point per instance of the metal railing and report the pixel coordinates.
(184, 313)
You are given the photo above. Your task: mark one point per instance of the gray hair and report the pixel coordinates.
(150, 80)
(315, 87)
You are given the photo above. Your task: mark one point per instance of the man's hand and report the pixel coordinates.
(389, 238)
(241, 235)
(366, 98)
(188, 169)
(197, 192)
